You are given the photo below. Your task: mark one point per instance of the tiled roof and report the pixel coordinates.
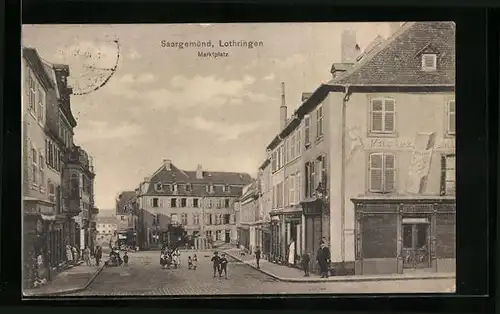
(397, 61)
(35, 62)
(198, 186)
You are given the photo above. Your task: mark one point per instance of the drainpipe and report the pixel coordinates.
(347, 95)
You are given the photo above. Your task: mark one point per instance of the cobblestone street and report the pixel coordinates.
(143, 276)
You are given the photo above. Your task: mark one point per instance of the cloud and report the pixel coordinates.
(188, 92)
(140, 79)
(100, 130)
(291, 61)
(223, 131)
(269, 77)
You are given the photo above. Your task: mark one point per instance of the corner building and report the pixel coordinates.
(388, 155)
(200, 201)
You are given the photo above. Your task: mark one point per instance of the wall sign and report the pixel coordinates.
(442, 144)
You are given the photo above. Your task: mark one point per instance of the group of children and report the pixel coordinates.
(219, 264)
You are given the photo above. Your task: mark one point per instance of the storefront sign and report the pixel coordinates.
(443, 144)
(293, 217)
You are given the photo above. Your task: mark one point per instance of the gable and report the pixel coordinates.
(397, 61)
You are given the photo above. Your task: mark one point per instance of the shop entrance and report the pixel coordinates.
(416, 243)
(228, 236)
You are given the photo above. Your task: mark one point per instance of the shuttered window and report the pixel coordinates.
(448, 175)
(382, 115)
(382, 170)
(307, 131)
(319, 122)
(451, 117)
(429, 62)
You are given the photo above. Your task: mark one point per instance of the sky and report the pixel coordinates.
(137, 103)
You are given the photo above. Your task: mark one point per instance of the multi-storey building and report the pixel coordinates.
(249, 208)
(200, 201)
(39, 208)
(79, 176)
(106, 229)
(386, 173)
(126, 216)
(263, 229)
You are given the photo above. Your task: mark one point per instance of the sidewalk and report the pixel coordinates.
(290, 274)
(74, 279)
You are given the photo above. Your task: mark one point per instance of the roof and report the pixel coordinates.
(107, 220)
(124, 198)
(396, 61)
(198, 186)
(35, 63)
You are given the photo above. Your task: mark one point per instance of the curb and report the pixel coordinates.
(72, 290)
(346, 278)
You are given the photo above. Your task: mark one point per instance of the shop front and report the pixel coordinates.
(293, 236)
(265, 232)
(401, 235)
(314, 230)
(276, 250)
(244, 236)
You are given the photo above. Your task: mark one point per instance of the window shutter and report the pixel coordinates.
(375, 170)
(376, 115)
(389, 173)
(451, 116)
(307, 123)
(443, 175)
(389, 115)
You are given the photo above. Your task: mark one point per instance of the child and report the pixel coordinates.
(125, 259)
(223, 266)
(195, 262)
(190, 262)
(215, 260)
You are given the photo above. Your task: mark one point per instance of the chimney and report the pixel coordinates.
(167, 163)
(199, 172)
(283, 115)
(349, 46)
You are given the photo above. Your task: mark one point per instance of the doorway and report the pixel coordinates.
(416, 243)
(228, 236)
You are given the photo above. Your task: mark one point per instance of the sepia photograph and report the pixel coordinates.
(238, 159)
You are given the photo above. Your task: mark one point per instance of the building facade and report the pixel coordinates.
(389, 147)
(264, 202)
(127, 219)
(249, 208)
(106, 229)
(201, 201)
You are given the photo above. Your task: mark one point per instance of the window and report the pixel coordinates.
(31, 93)
(174, 218)
(226, 203)
(382, 172)
(173, 202)
(41, 106)
(307, 130)
(34, 167)
(42, 172)
(279, 195)
(297, 188)
(227, 219)
(217, 203)
(211, 188)
(210, 219)
(218, 234)
(280, 157)
(310, 179)
(286, 192)
(319, 122)
(451, 116)
(195, 202)
(322, 174)
(183, 202)
(184, 219)
(291, 188)
(196, 219)
(274, 160)
(52, 192)
(158, 187)
(382, 115)
(293, 153)
(429, 62)
(448, 175)
(288, 148)
(174, 187)
(298, 147)
(188, 187)
(274, 197)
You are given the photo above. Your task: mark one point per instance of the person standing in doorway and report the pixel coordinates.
(257, 256)
(323, 258)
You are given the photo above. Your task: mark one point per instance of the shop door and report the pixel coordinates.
(313, 237)
(228, 236)
(416, 243)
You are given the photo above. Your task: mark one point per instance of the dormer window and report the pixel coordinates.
(174, 187)
(226, 188)
(159, 187)
(210, 188)
(188, 187)
(429, 61)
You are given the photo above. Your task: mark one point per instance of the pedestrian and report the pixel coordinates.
(306, 260)
(86, 256)
(257, 256)
(69, 254)
(216, 263)
(190, 262)
(323, 258)
(98, 255)
(223, 266)
(195, 262)
(125, 259)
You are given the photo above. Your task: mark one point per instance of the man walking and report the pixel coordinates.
(216, 263)
(98, 255)
(223, 266)
(323, 258)
(257, 256)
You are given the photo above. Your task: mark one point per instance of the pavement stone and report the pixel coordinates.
(144, 276)
(291, 274)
